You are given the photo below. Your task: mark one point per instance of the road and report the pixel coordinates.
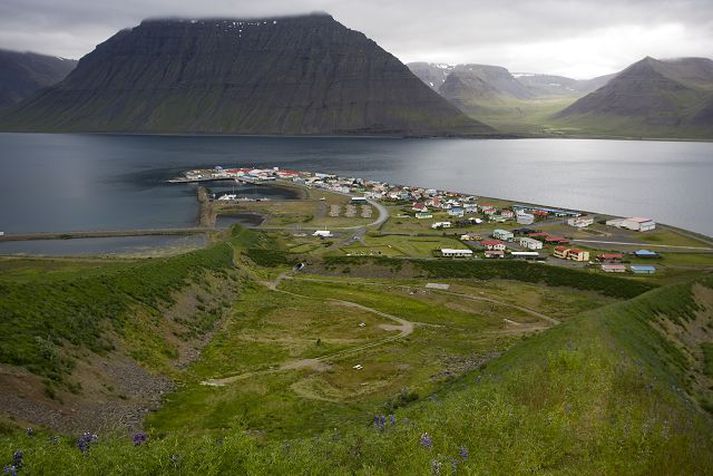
(405, 328)
(103, 233)
(645, 245)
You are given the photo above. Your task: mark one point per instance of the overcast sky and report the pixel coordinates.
(577, 38)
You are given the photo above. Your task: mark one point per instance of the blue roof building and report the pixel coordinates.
(645, 254)
(642, 269)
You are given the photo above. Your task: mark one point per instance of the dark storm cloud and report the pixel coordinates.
(578, 37)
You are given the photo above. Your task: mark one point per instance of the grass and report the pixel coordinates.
(596, 395)
(48, 314)
(393, 245)
(506, 269)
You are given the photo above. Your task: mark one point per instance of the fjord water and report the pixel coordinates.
(62, 182)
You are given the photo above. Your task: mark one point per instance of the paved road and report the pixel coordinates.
(644, 245)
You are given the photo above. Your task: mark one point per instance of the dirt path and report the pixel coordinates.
(402, 325)
(532, 312)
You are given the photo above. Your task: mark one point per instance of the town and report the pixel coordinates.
(432, 223)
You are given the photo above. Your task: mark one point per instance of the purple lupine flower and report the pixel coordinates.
(140, 438)
(463, 452)
(379, 422)
(392, 419)
(17, 459)
(11, 470)
(426, 440)
(86, 440)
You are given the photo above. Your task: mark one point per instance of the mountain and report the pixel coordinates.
(542, 85)
(516, 103)
(288, 75)
(22, 74)
(433, 74)
(667, 98)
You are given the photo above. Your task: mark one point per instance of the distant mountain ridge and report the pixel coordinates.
(667, 96)
(500, 81)
(287, 75)
(22, 74)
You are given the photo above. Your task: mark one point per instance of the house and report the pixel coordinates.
(495, 245)
(575, 254)
(419, 207)
(488, 210)
(494, 254)
(470, 237)
(610, 257)
(509, 214)
(470, 208)
(475, 221)
(503, 235)
(580, 221)
(423, 215)
(642, 269)
(456, 212)
(527, 255)
(322, 234)
(646, 254)
(441, 224)
(529, 243)
(560, 252)
(498, 218)
(525, 218)
(614, 268)
(633, 223)
(555, 240)
(456, 253)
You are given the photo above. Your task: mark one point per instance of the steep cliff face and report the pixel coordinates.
(23, 74)
(291, 75)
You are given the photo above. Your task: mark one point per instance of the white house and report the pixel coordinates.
(504, 235)
(441, 224)
(358, 199)
(529, 243)
(322, 234)
(580, 221)
(525, 218)
(456, 253)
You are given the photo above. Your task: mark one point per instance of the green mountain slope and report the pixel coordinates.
(651, 98)
(291, 75)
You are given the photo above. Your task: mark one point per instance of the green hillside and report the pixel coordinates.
(579, 381)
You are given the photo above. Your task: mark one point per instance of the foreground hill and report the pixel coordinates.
(22, 74)
(665, 98)
(292, 75)
(621, 389)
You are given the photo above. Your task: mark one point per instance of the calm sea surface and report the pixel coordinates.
(62, 182)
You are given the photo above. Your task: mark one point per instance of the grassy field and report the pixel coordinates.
(396, 245)
(275, 394)
(600, 394)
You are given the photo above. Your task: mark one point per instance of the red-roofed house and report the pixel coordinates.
(495, 245)
(578, 255)
(560, 252)
(610, 257)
